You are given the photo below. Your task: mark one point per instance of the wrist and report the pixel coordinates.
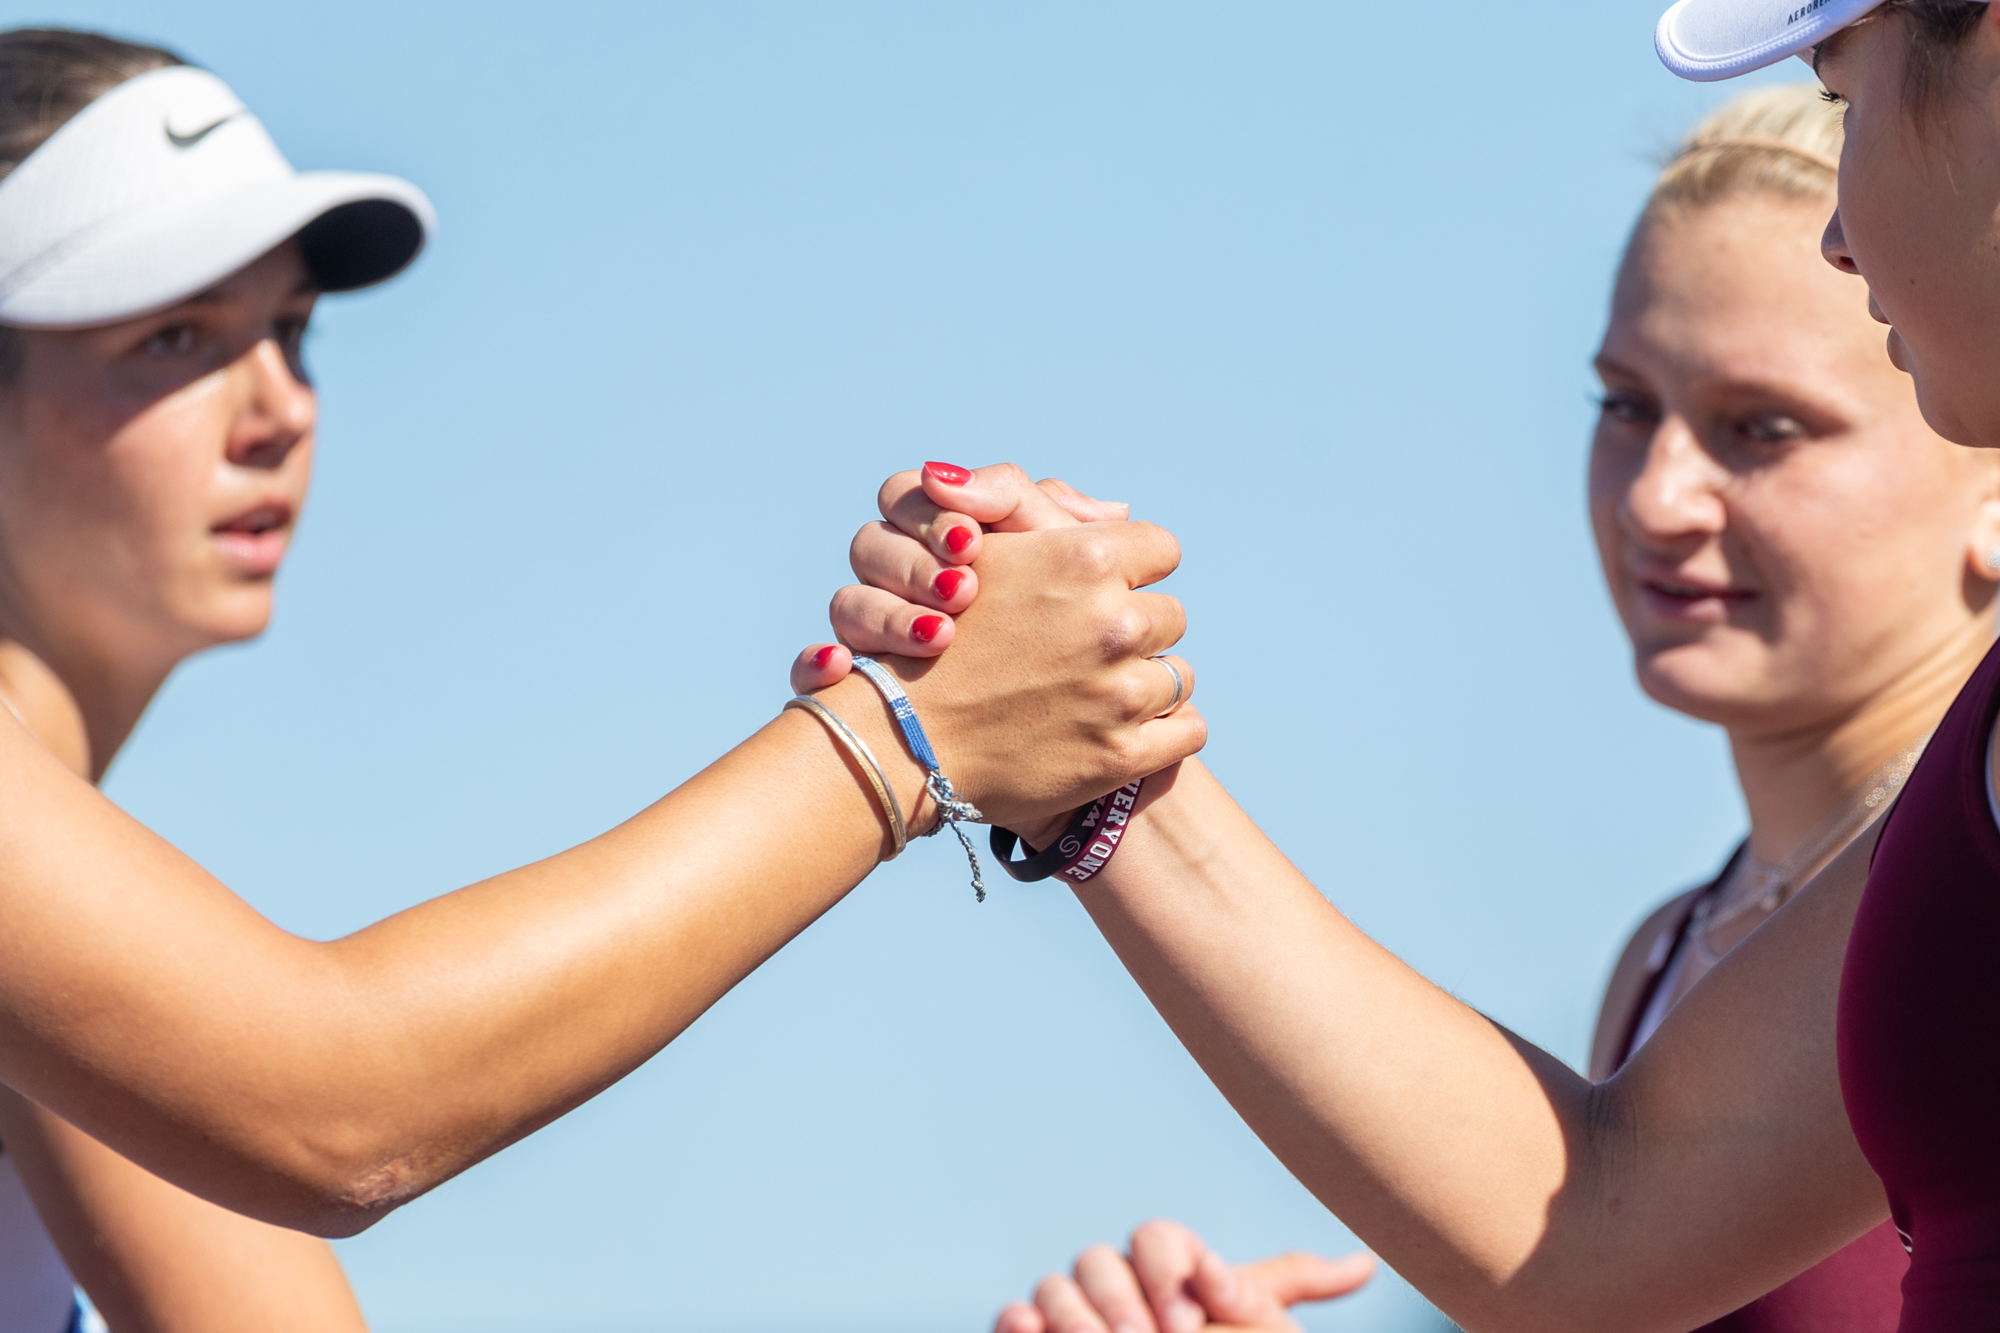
(1040, 833)
(863, 708)
(1153, 819)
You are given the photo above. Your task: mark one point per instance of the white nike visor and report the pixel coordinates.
(166, 185)
(1707, 40)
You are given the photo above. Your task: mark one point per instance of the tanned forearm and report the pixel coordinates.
(437, 1018)
(320, 1085)
(1504, 1186)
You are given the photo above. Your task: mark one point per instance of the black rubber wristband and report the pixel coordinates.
(1081, 849)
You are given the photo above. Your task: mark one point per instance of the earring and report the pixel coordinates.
(1993, 558)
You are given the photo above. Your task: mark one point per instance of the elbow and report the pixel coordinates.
(347, 1202)
(337, 1193)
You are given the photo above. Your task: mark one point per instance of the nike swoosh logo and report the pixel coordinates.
(190, 140)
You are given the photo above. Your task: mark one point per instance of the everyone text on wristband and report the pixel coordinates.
(1080, 850)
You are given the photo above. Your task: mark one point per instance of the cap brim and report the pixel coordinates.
(353, 228)
(1706, 40)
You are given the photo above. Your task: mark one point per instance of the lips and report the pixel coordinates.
(1676, 596)
(255, 540)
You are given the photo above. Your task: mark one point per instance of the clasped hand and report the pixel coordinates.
(1049, 699)
(1066, 564)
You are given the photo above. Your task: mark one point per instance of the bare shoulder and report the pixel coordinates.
(1639, 963)
(1764, 1018)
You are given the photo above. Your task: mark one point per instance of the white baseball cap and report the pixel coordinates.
(164, 186)
(1719, 39)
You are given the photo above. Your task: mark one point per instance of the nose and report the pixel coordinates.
(1833, 245)
(1675, 498)
(278, 408)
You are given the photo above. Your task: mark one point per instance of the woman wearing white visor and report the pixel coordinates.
(159, 262)
(150, 1255)
(1838, 1069)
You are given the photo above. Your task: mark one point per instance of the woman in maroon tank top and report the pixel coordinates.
(1804, 1092)
(1755, 178)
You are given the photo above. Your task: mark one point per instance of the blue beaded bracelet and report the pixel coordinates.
(951, 806)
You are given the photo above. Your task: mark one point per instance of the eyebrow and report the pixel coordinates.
(1831, 43)
(213, 296)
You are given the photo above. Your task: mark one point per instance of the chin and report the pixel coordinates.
(239, 615)
(1946, 417)
(1705, 690)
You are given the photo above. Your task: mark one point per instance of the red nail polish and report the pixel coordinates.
(951, 474)
(925, 628)
(948, 582)
(823, 656)
(957, 540)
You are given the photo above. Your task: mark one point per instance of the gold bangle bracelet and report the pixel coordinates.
(869, 768)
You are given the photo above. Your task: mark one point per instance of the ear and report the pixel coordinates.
(1986, 39)
(1982, 548)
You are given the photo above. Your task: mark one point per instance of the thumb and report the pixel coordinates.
(1292, 1278)
(1231, 1297)
(1000, 498)
(1084, 508)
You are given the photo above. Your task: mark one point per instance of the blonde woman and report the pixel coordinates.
(1796, 558)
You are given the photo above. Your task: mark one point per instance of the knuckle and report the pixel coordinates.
(1122, 754)
(1130, 697)
(1009, 476)
(894, 489)
(1121, 632)
(1094, 555)
(857, 550)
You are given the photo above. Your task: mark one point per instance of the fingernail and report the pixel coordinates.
(1184, 1316)
(823, 656)
(948, 582)
(957, 540)
(925, 628)
(951, 474)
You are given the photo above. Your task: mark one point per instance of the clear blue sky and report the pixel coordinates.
(1315, 285)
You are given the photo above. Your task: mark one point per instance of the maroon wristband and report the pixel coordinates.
(1083, 848)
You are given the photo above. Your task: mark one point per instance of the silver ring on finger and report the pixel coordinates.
(1180, 686)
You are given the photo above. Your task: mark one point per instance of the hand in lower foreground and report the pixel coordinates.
(1173, 1283)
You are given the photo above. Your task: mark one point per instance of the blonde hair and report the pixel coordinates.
(1782, 141)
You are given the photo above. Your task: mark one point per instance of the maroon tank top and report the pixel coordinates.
(1920, 1022)
(1856, 1289)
